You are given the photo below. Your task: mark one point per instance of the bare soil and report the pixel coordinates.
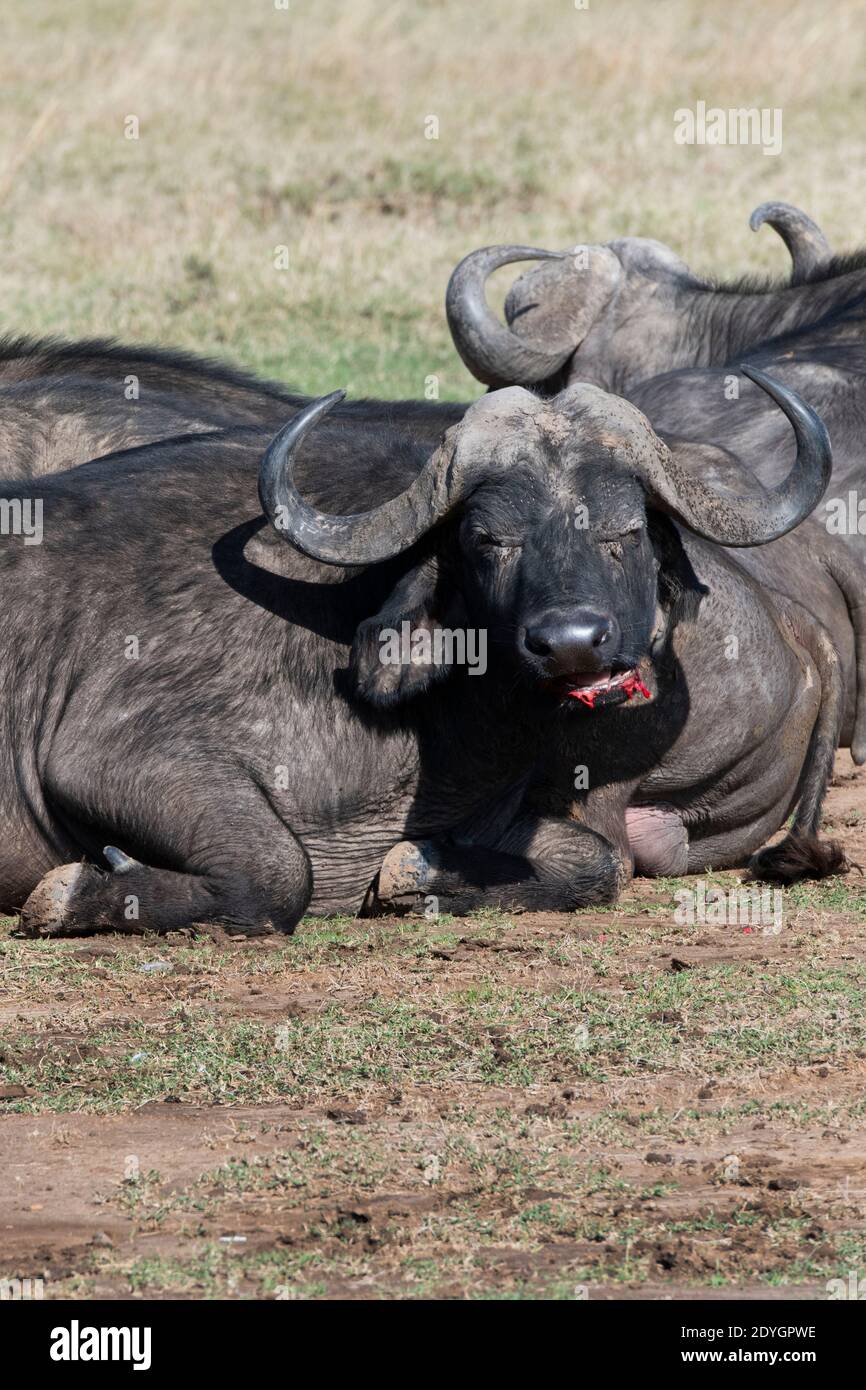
(592, 1105)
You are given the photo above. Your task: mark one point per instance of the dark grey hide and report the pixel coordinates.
(251, 758)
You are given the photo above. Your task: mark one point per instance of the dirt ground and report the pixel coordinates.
(612, 1104)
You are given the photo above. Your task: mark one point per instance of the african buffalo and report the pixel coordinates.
(632, 318)
(63, 404)
(628, 310)
(182, 682)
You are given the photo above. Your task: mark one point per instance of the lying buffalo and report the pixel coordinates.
(628, 310)
(214, 702)
(632, 318)
(63, 404)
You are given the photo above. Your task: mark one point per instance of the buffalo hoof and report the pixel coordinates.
(796, 857)
(47, 911)
(403, 878)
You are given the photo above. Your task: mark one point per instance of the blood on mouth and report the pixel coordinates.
(628, 682)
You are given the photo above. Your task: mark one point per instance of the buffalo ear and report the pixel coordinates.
(680, 590)
(678, 584)
(378, 667)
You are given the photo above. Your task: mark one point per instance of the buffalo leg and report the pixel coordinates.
(79, 899)
(538, 864)
(801, 853)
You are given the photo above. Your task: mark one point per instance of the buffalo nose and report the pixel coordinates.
(583, 641)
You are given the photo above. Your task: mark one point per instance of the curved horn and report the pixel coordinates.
(764, 514)
(804, 239)
(364, 537)
(491, 351)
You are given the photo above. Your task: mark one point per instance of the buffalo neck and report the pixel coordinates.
(702, 327)
(720, 326)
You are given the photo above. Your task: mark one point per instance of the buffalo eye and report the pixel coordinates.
(493, 544)
(616, 547)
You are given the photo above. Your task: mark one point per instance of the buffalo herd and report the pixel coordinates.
(267, 656)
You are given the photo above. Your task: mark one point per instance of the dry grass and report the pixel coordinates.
(305, 127)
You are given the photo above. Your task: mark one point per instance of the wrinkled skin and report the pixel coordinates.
(250, 652)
